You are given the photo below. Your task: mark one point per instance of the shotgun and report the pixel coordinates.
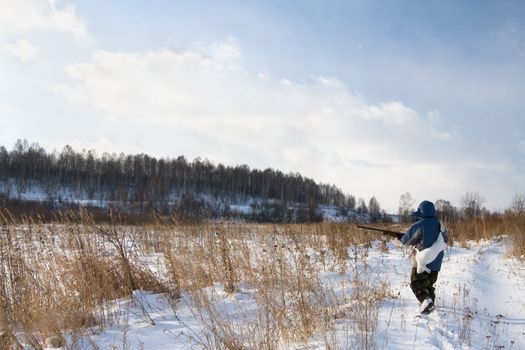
(394, 234)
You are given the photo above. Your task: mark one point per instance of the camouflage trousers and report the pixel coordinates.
(422, 284)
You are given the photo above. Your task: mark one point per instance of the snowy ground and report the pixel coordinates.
(481, 305)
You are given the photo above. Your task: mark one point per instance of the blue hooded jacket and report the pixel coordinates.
(424, 232)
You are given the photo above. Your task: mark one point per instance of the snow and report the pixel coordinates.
(480, 305)
(240, 208)
(36, 192)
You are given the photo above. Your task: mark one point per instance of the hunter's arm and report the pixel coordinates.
(412, 236)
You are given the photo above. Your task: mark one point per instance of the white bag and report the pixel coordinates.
(427, 255)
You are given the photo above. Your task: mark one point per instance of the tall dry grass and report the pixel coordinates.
(515, 227)
(66, 279)
(487, 226)
(64, 276)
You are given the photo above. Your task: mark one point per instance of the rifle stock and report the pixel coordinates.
(394, 234)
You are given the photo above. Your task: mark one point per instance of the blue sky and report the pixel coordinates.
(377, 97)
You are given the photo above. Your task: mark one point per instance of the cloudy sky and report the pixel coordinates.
(376, 97)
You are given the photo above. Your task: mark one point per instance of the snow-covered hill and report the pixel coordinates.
(236, 206)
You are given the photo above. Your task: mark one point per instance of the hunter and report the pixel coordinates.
(422, 235)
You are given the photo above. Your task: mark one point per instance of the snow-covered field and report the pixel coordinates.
(481, 305)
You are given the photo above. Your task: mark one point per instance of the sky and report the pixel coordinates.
(378, 98)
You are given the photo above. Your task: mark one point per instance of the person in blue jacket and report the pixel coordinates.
(421, 235)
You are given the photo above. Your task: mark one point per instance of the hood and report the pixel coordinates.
(425, 210)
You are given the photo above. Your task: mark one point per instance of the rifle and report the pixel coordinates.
(394, 234)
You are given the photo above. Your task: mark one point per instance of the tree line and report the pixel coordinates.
(470, 208)
(145, 182)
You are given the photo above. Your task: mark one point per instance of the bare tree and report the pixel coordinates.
(350, 202)
(374, 209)
(518, 204)
(471, 204)
(406, 205)
(445, 210)
(361, 206)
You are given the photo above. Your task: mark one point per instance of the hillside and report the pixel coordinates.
(141, 183)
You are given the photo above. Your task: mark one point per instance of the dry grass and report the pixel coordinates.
(67, 277)
(489, 226)
(515, 227)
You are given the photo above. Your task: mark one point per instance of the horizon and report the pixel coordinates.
(376, 98)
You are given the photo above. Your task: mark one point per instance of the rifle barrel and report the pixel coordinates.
(386, 232)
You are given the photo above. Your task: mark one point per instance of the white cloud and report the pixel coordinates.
(24, 16)
(22, 49)
(219, 100)
(390, 113)
(222, 51)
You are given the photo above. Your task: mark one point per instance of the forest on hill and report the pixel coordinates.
(143, 183)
